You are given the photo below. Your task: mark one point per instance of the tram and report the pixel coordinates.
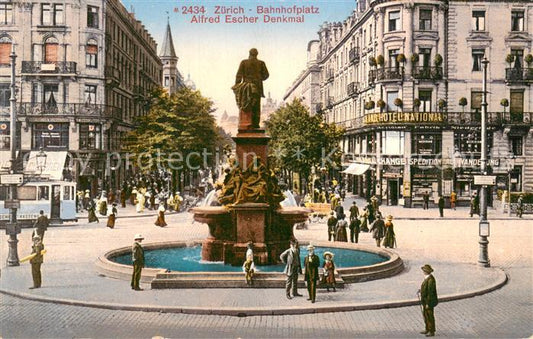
(56, 198)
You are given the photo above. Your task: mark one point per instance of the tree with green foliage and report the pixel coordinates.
(301, 141)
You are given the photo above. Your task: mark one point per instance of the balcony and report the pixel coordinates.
(69, 110)
(40, 67)
(427, 73)
(519, 75)
(389, 73)
(353, 55)
(493, 118)
(112, 76)
(352, 89)
(329, 102)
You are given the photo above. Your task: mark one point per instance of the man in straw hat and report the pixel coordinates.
(428, 300)
(137, 254)
(36, 261)
(311, 263)
(293, 267)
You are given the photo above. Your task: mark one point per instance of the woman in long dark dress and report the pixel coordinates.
(341, 229)
(390, 239)
(112, 217)
(161, 217)
(92, 212)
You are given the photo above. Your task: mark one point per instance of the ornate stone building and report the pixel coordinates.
(172, 78)
(404, 78)
(83, 71)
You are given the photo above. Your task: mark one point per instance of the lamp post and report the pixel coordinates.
(510, 167)
(13, 228)
(484, 227)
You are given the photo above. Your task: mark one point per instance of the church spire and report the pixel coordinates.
(168, 45)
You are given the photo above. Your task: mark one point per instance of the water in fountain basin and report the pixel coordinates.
(188, 259)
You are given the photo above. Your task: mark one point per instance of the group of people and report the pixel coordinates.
(291, 259)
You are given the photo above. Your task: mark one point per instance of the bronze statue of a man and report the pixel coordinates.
(248, 90)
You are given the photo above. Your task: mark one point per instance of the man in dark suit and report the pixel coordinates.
(441, 206)
(41, 225)
(252, 71)
(293, 267)
(137, 254)
(311, 263)
(332, 226)
(354, 211)
(378, 229)
(36, 261)
(428, 299)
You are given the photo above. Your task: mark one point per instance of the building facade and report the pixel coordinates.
(172, 78)
(83, 71)
(405, 81)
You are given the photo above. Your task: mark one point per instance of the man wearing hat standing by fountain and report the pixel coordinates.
(137, 254)
(428, 300)
(293, 267)
(311, 263)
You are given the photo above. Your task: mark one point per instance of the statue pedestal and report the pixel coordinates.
(251, 219)
(251, 143)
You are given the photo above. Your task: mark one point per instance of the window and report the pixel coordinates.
(52, 14)
(90, 94)
(394, 21)
(43, 193)
(51, 92)
(50, 51)
(4, 136)
(392, 142)
(516, 145)
(5, 51)
(167, 81)
(517, 21)
(391, 96)
(477, 56)
(476, 99)
(50, 136)
(26, 192)
(90, 136)
(5, 94)
(425, 19)
(92, 16)
(6, 14)
(425, 54)
(91, 54)
(518, 57)
(478, 20)
(425, 144)
(393, 53)
(425, 100)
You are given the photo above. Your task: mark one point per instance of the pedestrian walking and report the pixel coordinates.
(390, 238)
(354, 211)
(425, 197)
(364, 220)
(123, 198)
(332, 224)
(40, 225)
(341, 229)
(428, 300)
(137, 254)
(152, 199)
(291, 259)
(520, 206)
(311, 264)
(354, 230)
(329, 271)
(112, 217)
(36, 261)
(160, 221)
(441, 206)
(371, 213)
(92, 212)
(102, 204)
(86, 199)
(378, 229)
(111, 197)
(453, 199)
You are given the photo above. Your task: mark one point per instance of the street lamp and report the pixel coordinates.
(41, 160)
(484, 227)
(510, 168)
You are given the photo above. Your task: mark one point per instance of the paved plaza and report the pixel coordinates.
(449, 245)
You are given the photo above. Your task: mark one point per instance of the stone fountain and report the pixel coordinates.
(250, 195)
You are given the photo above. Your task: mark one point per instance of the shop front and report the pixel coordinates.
(425, 180)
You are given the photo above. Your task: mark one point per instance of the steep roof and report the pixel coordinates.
(168, 45)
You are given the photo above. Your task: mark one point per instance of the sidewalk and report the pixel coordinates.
(69, 275)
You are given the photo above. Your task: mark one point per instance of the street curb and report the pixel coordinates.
(257, 311)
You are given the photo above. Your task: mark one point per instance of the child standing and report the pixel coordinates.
(329, 271)
(248, 267)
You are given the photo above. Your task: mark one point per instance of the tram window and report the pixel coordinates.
(26, 192)
(66, 193)
(44, 193)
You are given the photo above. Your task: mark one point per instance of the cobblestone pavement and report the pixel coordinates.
(506, 312)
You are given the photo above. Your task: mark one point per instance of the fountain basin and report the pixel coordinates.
(390, 265)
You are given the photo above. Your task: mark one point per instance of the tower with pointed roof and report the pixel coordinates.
(172, 79)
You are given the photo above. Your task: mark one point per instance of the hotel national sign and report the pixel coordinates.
(404, 117)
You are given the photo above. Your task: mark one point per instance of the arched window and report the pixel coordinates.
(51, 46)
(91, 54)
(5, 50)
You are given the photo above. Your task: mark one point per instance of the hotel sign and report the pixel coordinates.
(404, 117)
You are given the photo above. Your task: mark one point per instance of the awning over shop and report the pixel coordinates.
(55, 163)
(356, 168)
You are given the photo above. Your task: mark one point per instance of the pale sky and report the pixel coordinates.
(211, 53)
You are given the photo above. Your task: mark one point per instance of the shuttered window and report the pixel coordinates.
(5, 50)
(50, 53)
